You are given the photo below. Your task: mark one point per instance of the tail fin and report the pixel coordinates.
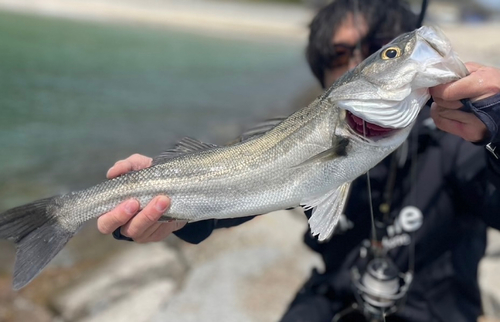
(38, 235)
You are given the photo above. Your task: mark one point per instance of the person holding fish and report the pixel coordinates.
(444, 285)
(400, 244)
(351, 35)
(437, 237)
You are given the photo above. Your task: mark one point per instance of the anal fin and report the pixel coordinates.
(326, 211)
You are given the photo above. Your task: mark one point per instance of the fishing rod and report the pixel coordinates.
(423, 10)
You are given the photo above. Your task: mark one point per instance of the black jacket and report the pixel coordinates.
(453, 190)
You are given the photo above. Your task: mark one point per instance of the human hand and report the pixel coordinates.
(482, 82)
(142, 226)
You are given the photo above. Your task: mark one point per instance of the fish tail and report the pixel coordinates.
(39, 234)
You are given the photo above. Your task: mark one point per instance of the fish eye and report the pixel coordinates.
(391, 52)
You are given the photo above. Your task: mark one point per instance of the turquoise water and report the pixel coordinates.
(75, 97)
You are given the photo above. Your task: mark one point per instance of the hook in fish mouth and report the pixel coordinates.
(369, 130)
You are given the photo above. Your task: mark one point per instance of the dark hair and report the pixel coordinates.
(389, 18)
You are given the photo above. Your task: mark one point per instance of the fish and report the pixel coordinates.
(308, 159)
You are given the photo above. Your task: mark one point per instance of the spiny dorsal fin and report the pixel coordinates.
(339, 149)
(184, 146)
(327, 211)
(259, 129)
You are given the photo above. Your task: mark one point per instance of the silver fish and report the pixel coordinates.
(308, 159)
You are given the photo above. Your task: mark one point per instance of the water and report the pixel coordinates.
(75, 97)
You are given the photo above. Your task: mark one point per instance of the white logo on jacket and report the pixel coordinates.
(410, 219)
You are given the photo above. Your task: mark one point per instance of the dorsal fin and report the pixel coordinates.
(184, 146)
(259, 129)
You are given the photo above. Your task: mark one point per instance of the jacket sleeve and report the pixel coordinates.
(197, 232)
(488, 110)
(493, 170)
(474, 181)
(477, 168)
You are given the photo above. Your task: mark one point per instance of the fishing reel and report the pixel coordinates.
(379, 288)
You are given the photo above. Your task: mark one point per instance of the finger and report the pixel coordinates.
(447, 125)
(146, 218)
(163, 232)
(117, 217)
(455, 91)
(119, 168)
(465, 125)
(459, 116)
(166, 229)
(150, 230)
(475, 86)
(179, 224)
(145, 237)
(139, 161)
(160, 232)
(472, 66)
(455, 115)
(454, 105)
(132, 163)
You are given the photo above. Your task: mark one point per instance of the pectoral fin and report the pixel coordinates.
(327, 211)
(339, 149)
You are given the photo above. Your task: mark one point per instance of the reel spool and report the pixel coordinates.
(380, 289)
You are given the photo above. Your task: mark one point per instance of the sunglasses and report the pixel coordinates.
(342, 53)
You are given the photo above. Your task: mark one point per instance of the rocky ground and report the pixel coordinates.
(246, 273)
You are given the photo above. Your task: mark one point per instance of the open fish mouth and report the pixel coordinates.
(369, 130)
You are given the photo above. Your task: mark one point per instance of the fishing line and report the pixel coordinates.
(375, 295)
(374, 232)
(413, 194)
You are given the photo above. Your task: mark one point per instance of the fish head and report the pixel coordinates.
(383, 95)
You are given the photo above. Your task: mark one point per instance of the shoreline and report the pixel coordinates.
(236, 20)
(223, 18)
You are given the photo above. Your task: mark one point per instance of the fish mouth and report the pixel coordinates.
(368, 130)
